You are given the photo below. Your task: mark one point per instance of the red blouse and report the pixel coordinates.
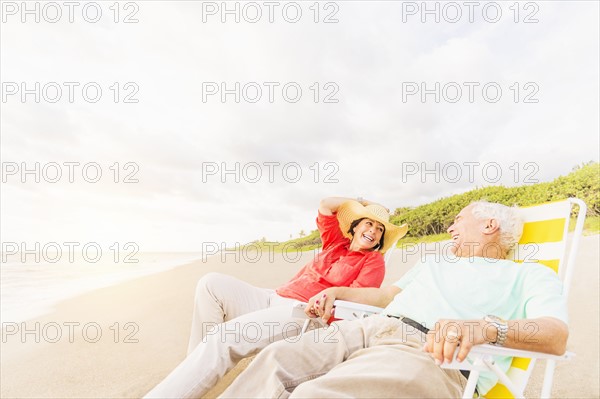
(335, 265)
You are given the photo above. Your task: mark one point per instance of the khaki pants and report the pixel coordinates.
(232, 320)
(376, 357)
(220, 298)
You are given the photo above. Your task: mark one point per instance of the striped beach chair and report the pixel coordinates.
(544, 240)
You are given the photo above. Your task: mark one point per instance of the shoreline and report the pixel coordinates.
(127, 360)
(49, 284)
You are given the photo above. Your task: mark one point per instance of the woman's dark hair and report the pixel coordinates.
(356, 222)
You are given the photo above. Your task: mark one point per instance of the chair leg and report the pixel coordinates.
(503, 378)
(548, 378)
(471, 384)
(305, 326)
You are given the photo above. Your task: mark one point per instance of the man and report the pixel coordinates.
(464, 300)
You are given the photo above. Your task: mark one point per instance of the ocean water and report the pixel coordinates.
(30, 289)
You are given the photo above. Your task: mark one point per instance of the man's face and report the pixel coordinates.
(367, 234)
(466, 233)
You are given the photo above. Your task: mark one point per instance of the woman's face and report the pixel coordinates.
(367, 234)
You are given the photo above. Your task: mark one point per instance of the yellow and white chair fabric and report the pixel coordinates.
(544, 240)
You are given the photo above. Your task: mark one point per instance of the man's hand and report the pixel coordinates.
(321, 305)
(449, 334)
(543, 334)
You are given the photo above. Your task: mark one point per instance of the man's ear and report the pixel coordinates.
(491, 226)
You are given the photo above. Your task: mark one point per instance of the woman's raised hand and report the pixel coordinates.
(366, 202)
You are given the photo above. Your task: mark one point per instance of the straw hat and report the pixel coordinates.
(351, 210)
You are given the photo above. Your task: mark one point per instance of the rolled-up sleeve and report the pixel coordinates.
(330, 230)
(544, 297)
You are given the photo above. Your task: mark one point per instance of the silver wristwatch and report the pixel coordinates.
(502, 327)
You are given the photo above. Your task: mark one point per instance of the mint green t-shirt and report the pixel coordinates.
(471, 288)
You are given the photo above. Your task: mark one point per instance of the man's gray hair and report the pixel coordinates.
(511, 225)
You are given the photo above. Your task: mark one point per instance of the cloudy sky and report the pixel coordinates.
(360, 105)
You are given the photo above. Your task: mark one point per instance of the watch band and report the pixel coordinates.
(501, 326)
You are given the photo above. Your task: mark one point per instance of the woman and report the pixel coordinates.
(233, 319)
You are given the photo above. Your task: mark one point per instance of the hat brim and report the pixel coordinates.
(350, 211)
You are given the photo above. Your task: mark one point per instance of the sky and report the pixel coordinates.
(137, 137)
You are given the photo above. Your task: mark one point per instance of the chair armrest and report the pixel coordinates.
(485, 351)
(492, 350)
(345, 310)
(298, 310)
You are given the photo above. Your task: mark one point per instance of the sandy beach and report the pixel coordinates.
(120, 341)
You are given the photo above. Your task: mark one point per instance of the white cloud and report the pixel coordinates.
(171, 133)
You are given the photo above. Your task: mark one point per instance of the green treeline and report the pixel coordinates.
(434, 218)
(429, 222)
